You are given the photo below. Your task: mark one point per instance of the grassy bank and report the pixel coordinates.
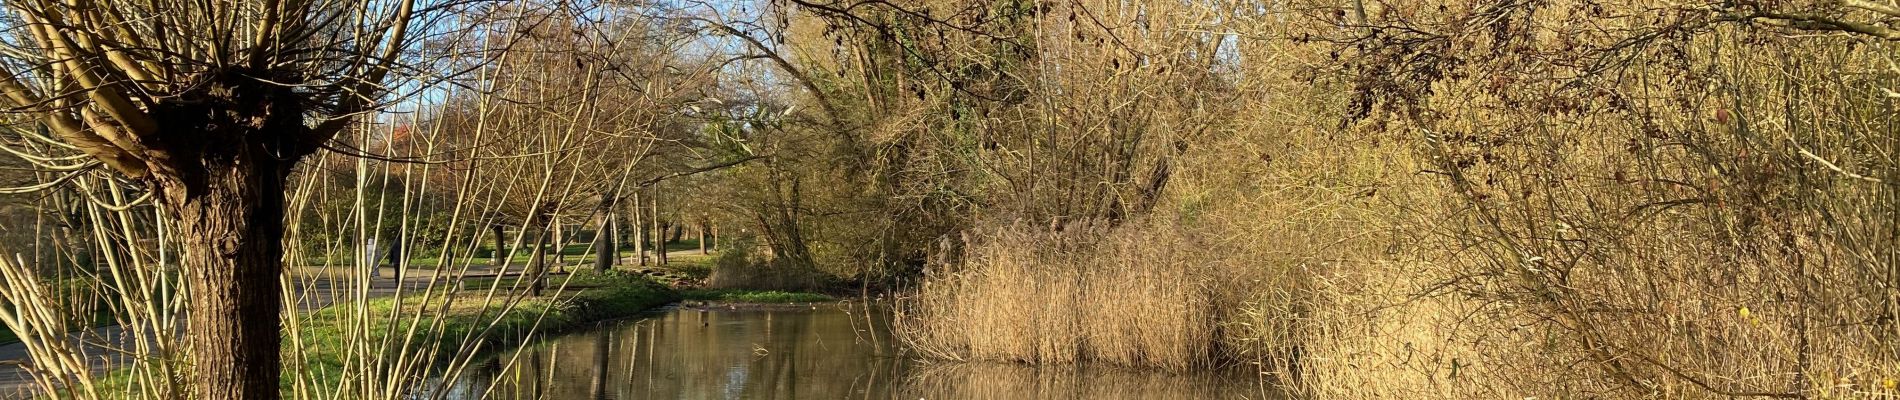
(337, 351)
(753, 296)
(473, 327)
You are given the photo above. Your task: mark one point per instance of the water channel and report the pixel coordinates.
(825, 351)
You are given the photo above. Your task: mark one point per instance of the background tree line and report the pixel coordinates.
(1358, 198)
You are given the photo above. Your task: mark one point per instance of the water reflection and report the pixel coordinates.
(833, 351)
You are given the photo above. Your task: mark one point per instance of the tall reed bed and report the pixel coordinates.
(1136, 295)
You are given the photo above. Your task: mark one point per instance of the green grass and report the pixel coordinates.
(607, 296)
(324, 332)
(753, 296)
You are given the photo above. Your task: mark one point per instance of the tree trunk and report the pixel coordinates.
(538, 264)
(604, 244)
(500, 256)
(560, 245)
(659, 229)
(230, 219)
(702, 238)
(639, 232)
(614, 236)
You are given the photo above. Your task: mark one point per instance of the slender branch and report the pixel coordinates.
(1830, 165)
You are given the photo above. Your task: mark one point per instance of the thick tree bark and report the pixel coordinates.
(231, 223)
(220, 159)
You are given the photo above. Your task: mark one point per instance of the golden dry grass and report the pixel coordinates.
(1124, 298)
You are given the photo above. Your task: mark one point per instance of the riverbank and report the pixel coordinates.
(327, 350)
(753, 296)
(465, 331)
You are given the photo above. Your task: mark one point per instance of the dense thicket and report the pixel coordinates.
(1371, 198)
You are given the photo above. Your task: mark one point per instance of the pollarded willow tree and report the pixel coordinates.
(209, 105)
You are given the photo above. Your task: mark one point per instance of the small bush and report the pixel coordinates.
(737, 268)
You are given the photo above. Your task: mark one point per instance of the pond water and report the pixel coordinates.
(825, 351)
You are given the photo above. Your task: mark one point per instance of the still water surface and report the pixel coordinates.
(827, 351)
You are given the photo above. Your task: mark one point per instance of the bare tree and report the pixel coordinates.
(571, 113)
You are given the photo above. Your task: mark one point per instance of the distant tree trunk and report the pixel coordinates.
(538, 263)
(659, 238)
(604, 244)
(702, 238)
(660, 243)
(229, 217)
(639, 231)
(560, 244)
(500, 256)
(614, 221)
